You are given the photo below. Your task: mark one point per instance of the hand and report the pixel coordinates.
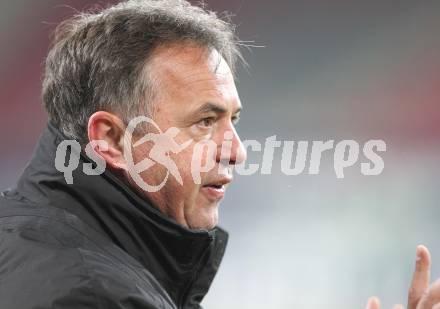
(420, 295)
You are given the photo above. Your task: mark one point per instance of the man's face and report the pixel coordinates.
(196, 95)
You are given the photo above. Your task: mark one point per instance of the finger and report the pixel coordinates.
(430, 297)
(373, 303)
(421, 277)
(399, 307)
(437, 306)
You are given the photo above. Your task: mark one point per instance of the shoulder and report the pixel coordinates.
(56, 266)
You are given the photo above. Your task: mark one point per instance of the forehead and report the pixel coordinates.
(185, 61)
(194, 75)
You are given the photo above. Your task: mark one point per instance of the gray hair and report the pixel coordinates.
(98, 61)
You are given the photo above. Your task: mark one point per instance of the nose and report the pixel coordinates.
(232, 150)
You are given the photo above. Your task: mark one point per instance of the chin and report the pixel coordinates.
(205, 218)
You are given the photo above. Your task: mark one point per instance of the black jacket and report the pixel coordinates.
(96, 244)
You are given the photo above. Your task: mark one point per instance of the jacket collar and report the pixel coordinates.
(184, 261)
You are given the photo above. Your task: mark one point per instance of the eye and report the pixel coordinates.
(235, 119)
(206, 122)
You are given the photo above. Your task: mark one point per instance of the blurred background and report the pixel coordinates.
(336, 70)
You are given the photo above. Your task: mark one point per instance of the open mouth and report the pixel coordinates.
(215, 186)
(214, 191)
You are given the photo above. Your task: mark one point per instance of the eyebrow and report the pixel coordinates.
(212, 107)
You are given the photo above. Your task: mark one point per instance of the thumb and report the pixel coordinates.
(373, 303)
(421, 277)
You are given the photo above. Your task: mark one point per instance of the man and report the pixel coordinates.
(103, 240)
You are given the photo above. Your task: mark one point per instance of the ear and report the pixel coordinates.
(110, 129)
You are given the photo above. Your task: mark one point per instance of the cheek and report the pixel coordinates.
(183, 162)
(152, 175)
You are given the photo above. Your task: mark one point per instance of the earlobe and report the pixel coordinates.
(113, 157)
(107, 132)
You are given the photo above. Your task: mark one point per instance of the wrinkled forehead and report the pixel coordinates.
(189, 63)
